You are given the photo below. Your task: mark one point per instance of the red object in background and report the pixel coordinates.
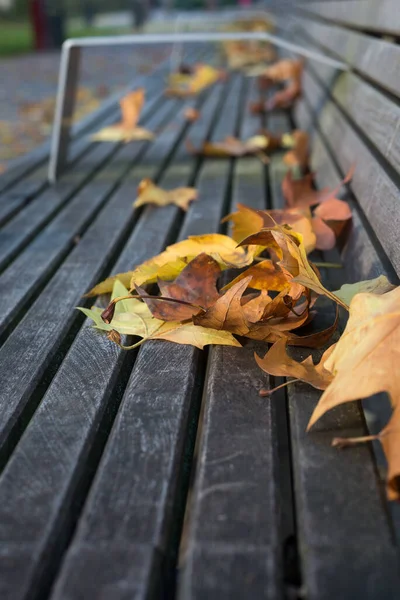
(38, 20)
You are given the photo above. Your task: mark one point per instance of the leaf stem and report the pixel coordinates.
(339, 442)
(328, 265)
(264, 392)
(133, 346)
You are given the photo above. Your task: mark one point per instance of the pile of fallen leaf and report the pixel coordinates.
(270, 288)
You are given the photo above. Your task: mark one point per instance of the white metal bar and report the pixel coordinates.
(67, 84)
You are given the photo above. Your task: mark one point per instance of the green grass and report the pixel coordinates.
(17, 38)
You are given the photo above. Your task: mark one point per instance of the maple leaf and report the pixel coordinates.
(247, 221)
(301, 193)
(195, 287)
(363, 363)
(293, 257)
(174, 259)
(297, 156)
(126, 130)
(277, 362)
(200, 78)
(289, 71)
(133, 317)
(149, 193)
(227, 313)
(265, 275)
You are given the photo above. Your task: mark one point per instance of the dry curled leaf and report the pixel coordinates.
(293, 257)
(277, 362)
(126, 130)
(227, 313)
(150, 193)
(364, 362)
(195, 290)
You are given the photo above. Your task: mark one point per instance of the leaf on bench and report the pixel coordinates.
(126, 130)
(149, 193)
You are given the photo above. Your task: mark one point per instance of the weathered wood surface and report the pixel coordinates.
(381, 17)
(365, 53)
(115, 463)
(327, 490)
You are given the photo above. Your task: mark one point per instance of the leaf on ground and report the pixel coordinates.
(380, 285)
(126, 130)
(150, 193)
(201, 77)
(364, 362)
(278, 363)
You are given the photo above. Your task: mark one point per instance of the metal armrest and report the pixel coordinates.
(69, 69)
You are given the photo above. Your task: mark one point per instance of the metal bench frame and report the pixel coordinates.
(69, 72)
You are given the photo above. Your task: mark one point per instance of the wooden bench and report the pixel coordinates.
(161, 473)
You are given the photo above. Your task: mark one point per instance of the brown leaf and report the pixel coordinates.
(293, 257)
(265, 275)
(300, 193)
(298, 155)
(167, 309)
(364, 363)
(197, 283)
(191, 114)
(277, 362)
(325, 236)
(149, 193)
(227, 312)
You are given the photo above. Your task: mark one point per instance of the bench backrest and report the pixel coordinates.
(354, 117)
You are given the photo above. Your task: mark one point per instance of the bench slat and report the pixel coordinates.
(232, 526)
(67, 398)
(321, 473)
(20, 230)
(377, 194)
(151, 432)
(382, 16)
(367, 54)
(40, 258)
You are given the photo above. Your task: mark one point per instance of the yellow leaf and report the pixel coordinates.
(195, 335)
(365, 362)
(190, 84)
(126, 130)
(149, 193)
(174, 259)
(133, 317)
(277, 362)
